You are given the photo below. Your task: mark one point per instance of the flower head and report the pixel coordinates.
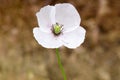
(59, 25)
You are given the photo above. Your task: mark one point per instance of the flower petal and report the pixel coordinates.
(67, 15)
(74, 38)
(47, 40)
(46, 17)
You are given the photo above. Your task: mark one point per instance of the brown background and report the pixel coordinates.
(22, 58)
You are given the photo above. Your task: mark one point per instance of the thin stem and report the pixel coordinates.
(60, 64)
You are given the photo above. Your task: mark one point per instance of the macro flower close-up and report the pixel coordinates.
(59, 25)
(59, 40)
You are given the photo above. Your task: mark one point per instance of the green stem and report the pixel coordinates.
(60, 64)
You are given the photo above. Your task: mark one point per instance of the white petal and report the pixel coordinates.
(46, 17)
(47, 40)
(67, 15)
(74, 38)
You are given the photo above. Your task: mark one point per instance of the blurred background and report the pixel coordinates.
(22, 58)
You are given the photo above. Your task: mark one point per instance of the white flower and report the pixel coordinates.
(59, 25)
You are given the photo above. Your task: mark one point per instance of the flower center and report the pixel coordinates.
(57, 28)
